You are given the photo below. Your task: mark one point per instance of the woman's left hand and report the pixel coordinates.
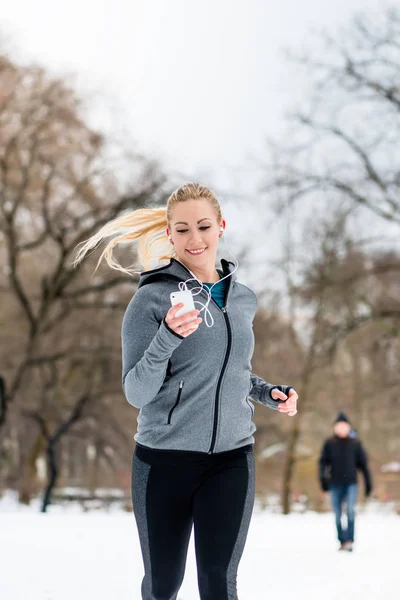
(289, 405)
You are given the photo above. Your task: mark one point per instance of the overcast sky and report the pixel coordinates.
(199, 83)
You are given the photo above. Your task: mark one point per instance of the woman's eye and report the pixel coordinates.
(201, 229)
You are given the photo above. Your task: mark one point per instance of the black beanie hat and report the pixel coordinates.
(342, 417)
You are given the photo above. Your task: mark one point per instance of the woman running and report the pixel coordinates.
(190, 377)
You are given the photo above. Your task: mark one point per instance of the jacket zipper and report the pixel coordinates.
(176, 403)
(224, 311)
(227, 354)
(228, 351)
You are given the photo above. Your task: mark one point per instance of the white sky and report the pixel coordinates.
(198, 83)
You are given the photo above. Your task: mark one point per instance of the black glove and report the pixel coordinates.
(325, 485)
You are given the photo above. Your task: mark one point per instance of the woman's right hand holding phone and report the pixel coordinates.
(185, 325)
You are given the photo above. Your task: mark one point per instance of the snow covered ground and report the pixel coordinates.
(67, 555)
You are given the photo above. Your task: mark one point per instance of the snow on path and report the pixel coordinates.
(64, 556)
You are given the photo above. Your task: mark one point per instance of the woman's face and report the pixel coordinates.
(195, 232)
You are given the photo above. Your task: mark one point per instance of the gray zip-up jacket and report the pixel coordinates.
(193, 393)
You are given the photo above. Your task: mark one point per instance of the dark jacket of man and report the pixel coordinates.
(339, 461)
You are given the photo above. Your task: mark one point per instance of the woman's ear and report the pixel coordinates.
(222, 227)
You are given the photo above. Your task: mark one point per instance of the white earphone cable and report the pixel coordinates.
(195, 291)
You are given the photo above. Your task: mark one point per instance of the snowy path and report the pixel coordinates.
(64, 556)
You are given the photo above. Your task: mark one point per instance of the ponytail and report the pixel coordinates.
(146, 224)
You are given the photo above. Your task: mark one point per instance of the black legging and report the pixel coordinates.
(173, 490)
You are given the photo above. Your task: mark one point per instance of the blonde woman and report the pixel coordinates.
(193, 464)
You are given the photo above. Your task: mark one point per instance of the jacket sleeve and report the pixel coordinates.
(147, 345)
(261, 391)
(362, 465)
(324, 465)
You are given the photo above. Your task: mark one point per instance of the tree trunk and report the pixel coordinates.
(3, 402)
(290, 460)
(53, 473)
(52, 443)
(288, 471)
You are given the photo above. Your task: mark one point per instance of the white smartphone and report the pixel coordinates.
(186, 297)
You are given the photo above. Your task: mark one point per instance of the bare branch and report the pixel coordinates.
(75, 415)
(20, 293)
(100, 287)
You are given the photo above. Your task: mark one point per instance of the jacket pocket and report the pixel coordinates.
(178, 398)
(249, 404)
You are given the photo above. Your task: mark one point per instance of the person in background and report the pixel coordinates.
(341, 457)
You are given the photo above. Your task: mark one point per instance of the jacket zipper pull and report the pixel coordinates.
(181, 384)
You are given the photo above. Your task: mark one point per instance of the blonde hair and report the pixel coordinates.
(147, 225)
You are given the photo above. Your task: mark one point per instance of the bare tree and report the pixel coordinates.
(56, 190)
(343, 143)
(331, 333)
(342, 151)
(52, 440)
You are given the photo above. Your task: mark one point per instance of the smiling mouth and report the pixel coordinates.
(197, 251)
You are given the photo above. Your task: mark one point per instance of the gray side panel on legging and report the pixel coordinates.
(244, 527)
(141, 472)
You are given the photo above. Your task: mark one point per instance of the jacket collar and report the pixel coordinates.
(175, 270)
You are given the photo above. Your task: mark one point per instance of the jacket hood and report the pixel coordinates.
(176, 271)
